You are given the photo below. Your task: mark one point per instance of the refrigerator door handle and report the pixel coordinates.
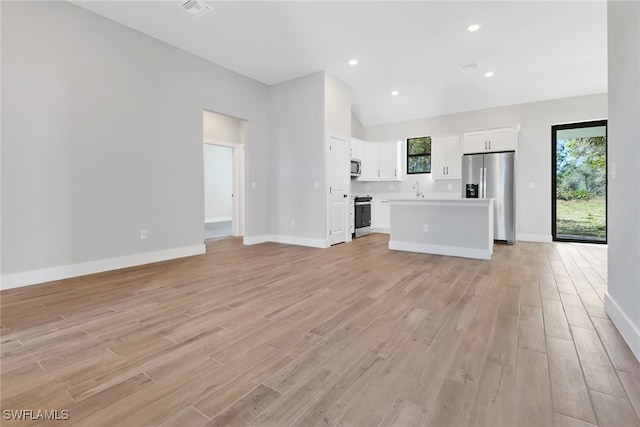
(483, 191)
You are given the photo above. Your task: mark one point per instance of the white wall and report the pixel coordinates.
(301, 112)
(102, 137)
(337, 106)
(533, 157)
(297, 160)
(623, 297)
(357, 130)
(218, 179)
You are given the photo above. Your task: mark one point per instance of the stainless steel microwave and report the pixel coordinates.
(356, 167)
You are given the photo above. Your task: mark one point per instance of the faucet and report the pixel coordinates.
(416, 186)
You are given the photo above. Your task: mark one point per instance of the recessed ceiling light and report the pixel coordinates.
(394, 93)
(488, 74)
(472, 28)
(353, 62)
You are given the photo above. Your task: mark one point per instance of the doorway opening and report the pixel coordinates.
(218, 190)
(224, 163)
(579, 182)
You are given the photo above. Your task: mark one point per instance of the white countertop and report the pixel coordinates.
(449, 201)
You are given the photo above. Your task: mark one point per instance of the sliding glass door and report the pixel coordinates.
(579, 182)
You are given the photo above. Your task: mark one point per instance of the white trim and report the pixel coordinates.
(381, 230)
(288, 240)
(238, 172)
(256, 240)
(542, 238)
(441, 250)
(221, 219)
(625, 325)
(223, 143)
(33, 277)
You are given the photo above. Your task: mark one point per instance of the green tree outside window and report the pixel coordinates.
(419, 155)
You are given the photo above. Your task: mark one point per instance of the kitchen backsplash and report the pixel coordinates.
(427, 185)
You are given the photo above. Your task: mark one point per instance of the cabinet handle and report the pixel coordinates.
(395, 172)
(378, 173)
(447, 170)
(443, 172)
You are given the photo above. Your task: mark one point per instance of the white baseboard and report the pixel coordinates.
(221, 219)
(256, 240)
(381, 230)
(33, 277)
(441, 250)
(289, 240)
(629, 331)
(541, 238)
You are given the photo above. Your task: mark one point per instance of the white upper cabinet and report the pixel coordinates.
(380, 161)
(389, 161)
(446, 159)
(370, 162)
(489, 140)
(357, 149)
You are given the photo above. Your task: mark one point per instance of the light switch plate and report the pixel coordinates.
(613, 170)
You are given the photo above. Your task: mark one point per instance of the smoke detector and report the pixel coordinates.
(197, 8)
(469, 67)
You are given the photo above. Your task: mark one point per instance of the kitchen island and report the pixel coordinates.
(457, 227)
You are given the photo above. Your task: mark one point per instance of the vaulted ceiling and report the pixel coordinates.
(537, 50)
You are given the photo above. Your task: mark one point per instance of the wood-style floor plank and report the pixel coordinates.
(352, 335)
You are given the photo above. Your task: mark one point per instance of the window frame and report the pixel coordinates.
(428, 155)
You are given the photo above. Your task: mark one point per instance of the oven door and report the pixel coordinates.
(363, 215)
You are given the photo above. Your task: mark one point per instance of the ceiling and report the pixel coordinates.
(538, 50)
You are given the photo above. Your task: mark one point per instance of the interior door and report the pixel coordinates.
(338, 171)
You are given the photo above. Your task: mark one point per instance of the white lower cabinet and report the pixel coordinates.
(380, 215)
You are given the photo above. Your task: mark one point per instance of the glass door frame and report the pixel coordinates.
(554, 172)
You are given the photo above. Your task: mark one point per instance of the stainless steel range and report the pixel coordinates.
(362, 215)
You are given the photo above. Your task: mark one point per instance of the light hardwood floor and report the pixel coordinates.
(354, 335)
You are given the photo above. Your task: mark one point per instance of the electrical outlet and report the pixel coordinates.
(293, 222)
(253, 185)
(532, 185)
(143, 234)
(316, 184)
(449, 186)
(425, 228)
(391, 187)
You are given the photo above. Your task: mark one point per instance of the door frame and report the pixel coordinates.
(237, 171)
(554, 183)
(347, 184)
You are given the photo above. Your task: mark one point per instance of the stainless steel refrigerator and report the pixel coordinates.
(491, 176)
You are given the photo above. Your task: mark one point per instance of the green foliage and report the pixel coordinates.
(419, 164)
(419, 155)
(581, 218)
(580, 168)
(419, 146)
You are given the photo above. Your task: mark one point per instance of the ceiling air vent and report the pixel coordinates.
(469, 67)
(196, 7)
